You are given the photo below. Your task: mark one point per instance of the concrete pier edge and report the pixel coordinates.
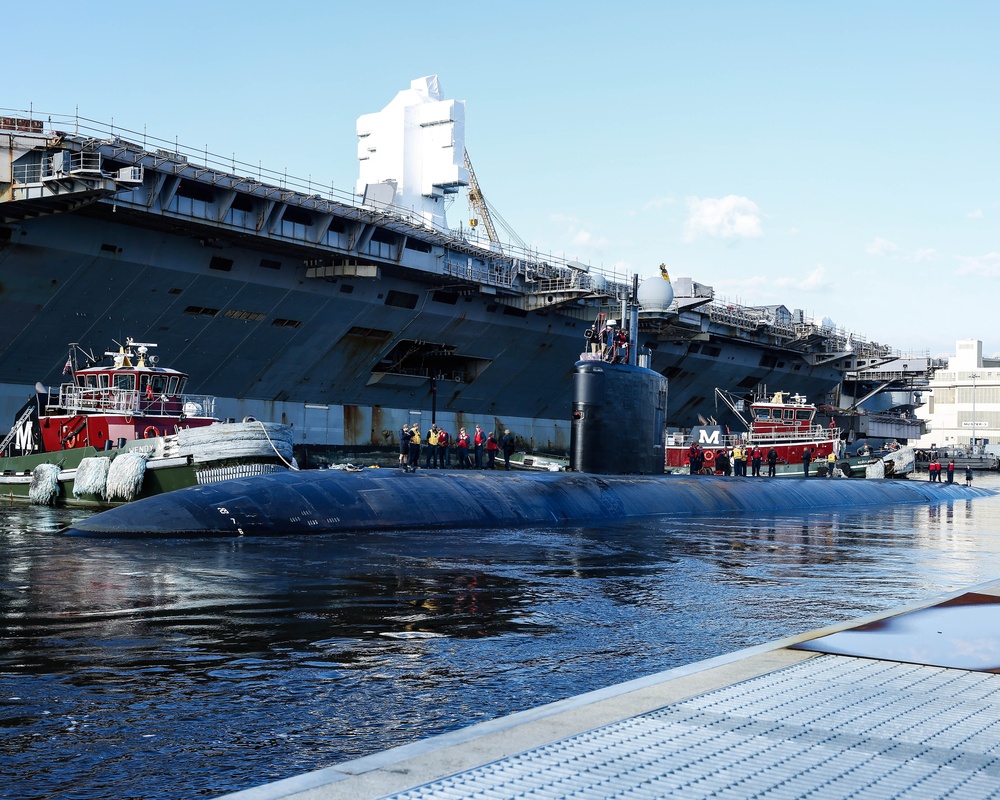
(413, 764)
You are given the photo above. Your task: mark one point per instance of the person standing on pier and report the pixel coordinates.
(694, 458)
(492, 445)
(831, 463)
(432, 448)
(404, 445)
(462, 449)
(507, 445)
(723, 463)
(478, 440)
(968, 476)
(414, 448)
(772, 462)
(806, 458)
(951, 471)
(444, 454)
(756, 456)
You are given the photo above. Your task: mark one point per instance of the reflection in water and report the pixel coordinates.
(178, 669)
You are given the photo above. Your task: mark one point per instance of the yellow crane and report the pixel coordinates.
(478, 204)
(481, 210)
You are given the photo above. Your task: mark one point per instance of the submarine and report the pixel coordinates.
(616, 476)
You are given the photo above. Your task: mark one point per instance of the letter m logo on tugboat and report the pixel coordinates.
(710, 435)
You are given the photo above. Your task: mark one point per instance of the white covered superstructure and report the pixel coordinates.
(412, 152)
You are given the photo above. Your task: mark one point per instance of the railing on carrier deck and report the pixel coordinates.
(129, 402)
(57, 165)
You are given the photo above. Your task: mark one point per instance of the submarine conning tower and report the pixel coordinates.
(619, 403)
(619, 414)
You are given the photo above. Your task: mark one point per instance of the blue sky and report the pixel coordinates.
(842, 158)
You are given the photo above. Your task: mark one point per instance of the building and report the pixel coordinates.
(963, 408)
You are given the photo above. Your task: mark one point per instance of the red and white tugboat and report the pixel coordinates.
(127, 429)
(783, 422)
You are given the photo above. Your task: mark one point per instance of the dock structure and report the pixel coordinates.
(899, 704)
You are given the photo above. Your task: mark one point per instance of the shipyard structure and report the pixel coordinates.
(963, 409)
(347, 314)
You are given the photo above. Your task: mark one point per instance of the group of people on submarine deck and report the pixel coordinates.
(469, 450)
(736, 461)
(934, 471)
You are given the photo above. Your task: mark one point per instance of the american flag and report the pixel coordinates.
(68, 367)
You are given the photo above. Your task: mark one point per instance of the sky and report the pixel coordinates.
(841, 158)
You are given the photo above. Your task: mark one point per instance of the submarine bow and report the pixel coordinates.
(328, 501)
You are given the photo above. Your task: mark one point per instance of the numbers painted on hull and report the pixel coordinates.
(225, 512)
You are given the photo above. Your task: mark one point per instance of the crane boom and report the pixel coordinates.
(478, 203)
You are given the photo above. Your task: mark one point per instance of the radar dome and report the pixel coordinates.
(655, 294)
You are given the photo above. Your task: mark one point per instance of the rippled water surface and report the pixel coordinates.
(178, 669)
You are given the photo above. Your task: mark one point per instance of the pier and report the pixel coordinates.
(897, 704)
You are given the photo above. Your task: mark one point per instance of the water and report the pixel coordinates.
(180, 669)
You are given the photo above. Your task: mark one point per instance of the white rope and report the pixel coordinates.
(125, 476)
(92, 477)
(292, 464)
(44, 487)
(232, 440)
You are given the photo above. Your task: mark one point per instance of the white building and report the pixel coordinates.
(964, 403)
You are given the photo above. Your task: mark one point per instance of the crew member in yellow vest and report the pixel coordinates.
(831, 462)
(432, 448)
(414, 460)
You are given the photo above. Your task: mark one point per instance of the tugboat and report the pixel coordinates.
(786, 423)
(126, 429)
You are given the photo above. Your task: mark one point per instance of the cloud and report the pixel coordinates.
(586, 239)
(810, 282)
(976, 213)
(769, 286)
(722, 217)
(883, 247)
(985, 266)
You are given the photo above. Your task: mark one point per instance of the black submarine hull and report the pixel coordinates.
(333, 501)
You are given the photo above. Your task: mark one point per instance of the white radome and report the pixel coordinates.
(655, 294)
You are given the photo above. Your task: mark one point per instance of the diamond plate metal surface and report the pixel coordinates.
(830, 727)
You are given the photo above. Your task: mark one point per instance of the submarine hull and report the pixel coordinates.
(332, 501)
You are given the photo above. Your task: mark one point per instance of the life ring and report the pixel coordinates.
(708, 456)
(70, 441)
(249, 419)
(150, 432)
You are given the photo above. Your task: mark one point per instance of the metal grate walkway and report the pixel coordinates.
(830, 727)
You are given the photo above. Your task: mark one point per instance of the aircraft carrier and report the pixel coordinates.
(346, 314)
